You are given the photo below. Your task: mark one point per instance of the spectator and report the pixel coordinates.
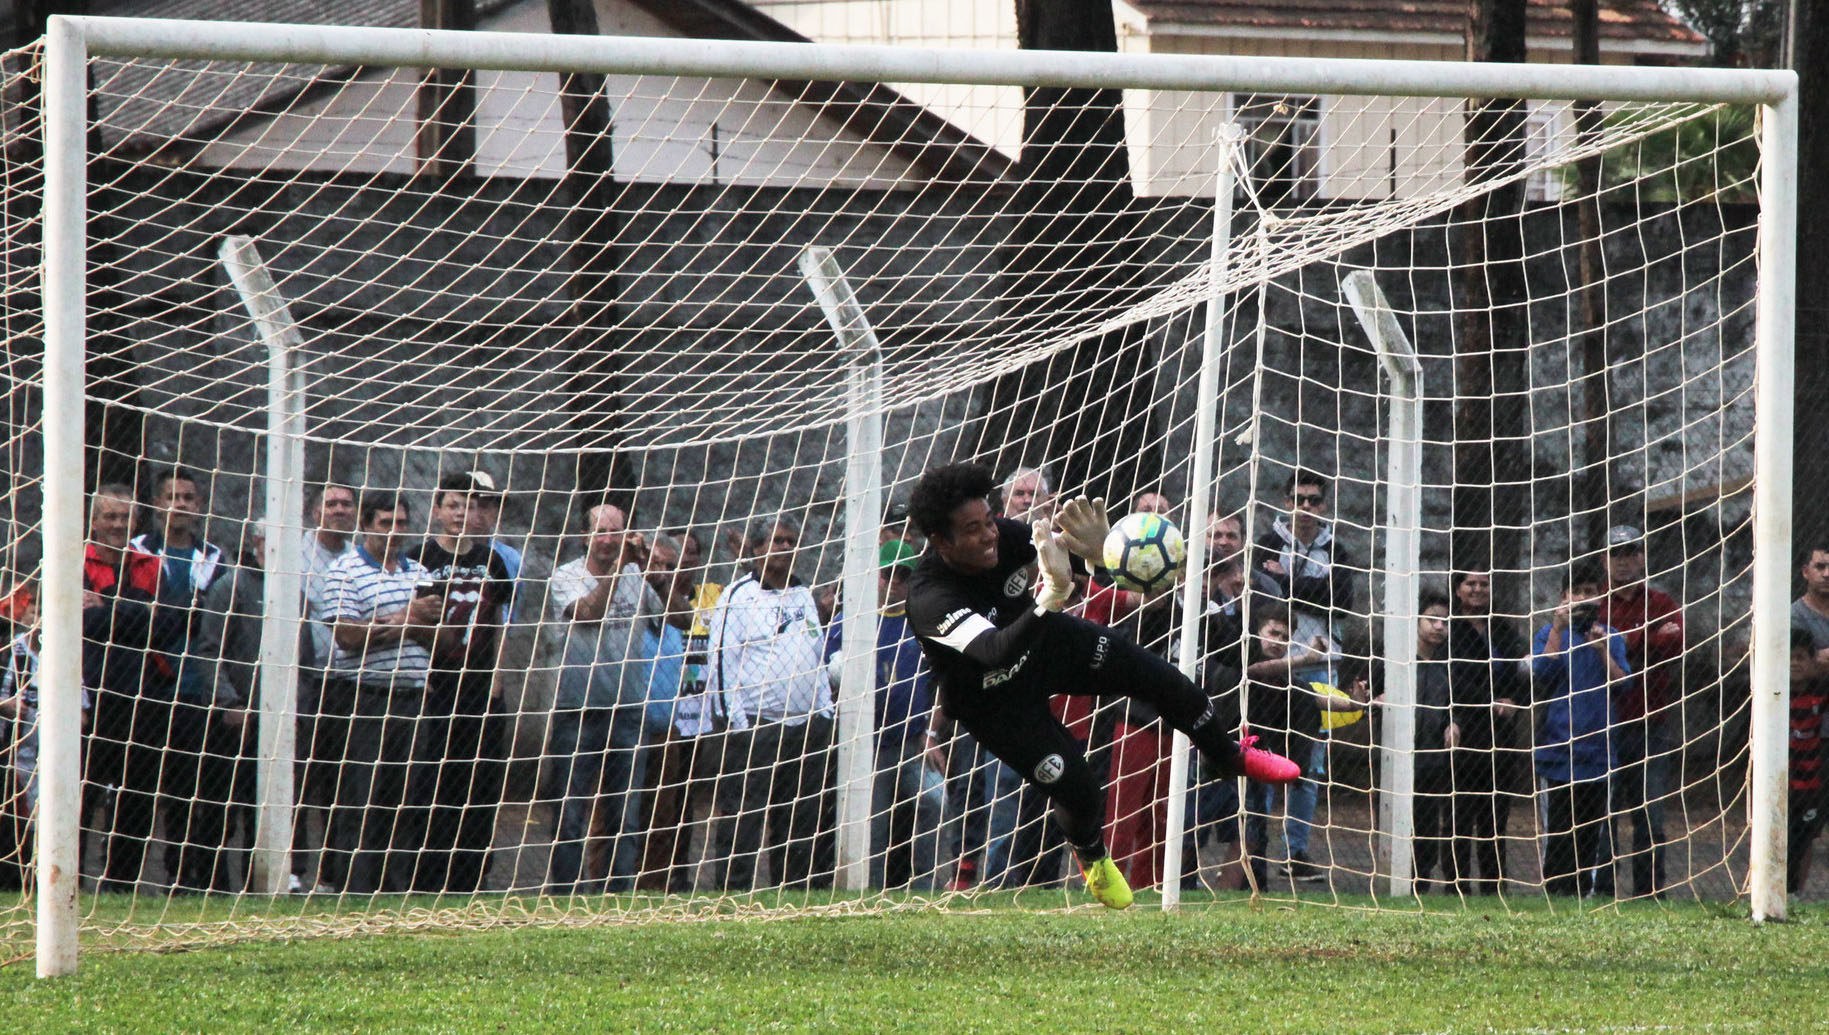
(1810, 612)
(1284, 712)
(895, 527)
(132, 709)
(1489, 687)
(765, 663)
(908, 796)
(602, 608)
(198, 768)
(1298, 561)
(1214, 804)
(230, 614)
(329, 537)
(458, 771)
(383, 628)
(1150, 503)
(665, 752)
(1646, 709)
(693, 751)
(1809, 801)
(1225, 539)
(1028, 494)
(1578, 663)
(1436, 736)
(19, 699)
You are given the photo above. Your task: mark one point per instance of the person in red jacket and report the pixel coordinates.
(124, 748)
(1645, 710)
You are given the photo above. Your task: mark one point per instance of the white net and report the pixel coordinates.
(517, 303)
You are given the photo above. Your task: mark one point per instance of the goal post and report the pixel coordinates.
(641, 337)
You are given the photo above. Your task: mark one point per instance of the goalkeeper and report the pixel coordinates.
(985, 604)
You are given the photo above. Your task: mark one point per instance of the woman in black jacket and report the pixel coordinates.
(1489, 689)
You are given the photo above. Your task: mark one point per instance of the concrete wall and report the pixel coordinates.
(439, 326)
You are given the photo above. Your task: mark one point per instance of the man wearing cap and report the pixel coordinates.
(1645, 708)
(458, 772)
(909, 796)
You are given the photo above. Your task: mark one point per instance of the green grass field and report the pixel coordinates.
(1238, 967)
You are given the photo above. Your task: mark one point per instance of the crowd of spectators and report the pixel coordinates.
(691, 741)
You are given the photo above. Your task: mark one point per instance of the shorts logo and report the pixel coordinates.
(1016, 583)
(1100, 650)
(1050, 769)
(999, 676)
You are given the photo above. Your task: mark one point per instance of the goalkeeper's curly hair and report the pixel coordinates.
(942, 490)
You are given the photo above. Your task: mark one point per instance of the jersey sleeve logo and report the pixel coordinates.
(948, 623)
(1050, 769)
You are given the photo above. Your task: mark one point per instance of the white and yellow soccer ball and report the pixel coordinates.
(1145, 553)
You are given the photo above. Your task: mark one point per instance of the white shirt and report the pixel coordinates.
(573, 581)
(317, 559)
(765, 655)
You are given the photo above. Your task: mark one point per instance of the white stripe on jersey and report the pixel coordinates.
(969, 628)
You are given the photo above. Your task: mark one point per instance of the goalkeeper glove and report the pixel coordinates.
(1056, 568)
(1084, 526)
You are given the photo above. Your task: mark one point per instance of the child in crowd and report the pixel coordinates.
(18, 739)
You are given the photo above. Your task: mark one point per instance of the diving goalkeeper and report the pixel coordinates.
(986, 603)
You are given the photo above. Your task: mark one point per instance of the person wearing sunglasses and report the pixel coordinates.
(1298, 561)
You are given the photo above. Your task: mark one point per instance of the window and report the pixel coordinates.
(1540, 126)
(1282, 145)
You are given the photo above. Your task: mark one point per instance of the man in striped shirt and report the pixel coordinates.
(383, 633)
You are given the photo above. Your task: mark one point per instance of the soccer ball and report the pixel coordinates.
(1145, 552)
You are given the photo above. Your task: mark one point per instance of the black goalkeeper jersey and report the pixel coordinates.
(977, 630)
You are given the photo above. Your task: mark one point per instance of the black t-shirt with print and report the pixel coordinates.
(476, 587)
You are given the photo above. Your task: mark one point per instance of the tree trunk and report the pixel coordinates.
(1810, 434)
(114, 431)
(593, 389)
(1087, 411)
(1491, 353)
(1597, 418)
(447, 99)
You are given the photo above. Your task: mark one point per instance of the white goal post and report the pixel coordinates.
(74, 42)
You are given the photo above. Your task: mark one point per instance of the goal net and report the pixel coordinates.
(493, 478)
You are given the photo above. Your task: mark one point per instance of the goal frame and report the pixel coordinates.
(72, 40)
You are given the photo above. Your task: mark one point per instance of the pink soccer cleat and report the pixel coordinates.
(1266, 766)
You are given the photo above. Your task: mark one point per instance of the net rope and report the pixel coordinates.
(642, 334)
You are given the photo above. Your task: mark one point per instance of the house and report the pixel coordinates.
(1324, 148)
(361, 121)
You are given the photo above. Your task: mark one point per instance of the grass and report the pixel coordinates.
(1238, 968)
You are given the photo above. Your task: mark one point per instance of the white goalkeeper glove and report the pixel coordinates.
(1084, 526)
(1056, 568)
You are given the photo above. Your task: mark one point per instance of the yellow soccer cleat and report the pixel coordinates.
(1107, 884)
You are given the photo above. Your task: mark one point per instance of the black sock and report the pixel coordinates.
(1216, 744)
(1089, 854)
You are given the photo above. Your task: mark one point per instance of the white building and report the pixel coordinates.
(1319, 147)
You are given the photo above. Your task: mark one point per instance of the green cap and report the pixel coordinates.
(897, 554)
